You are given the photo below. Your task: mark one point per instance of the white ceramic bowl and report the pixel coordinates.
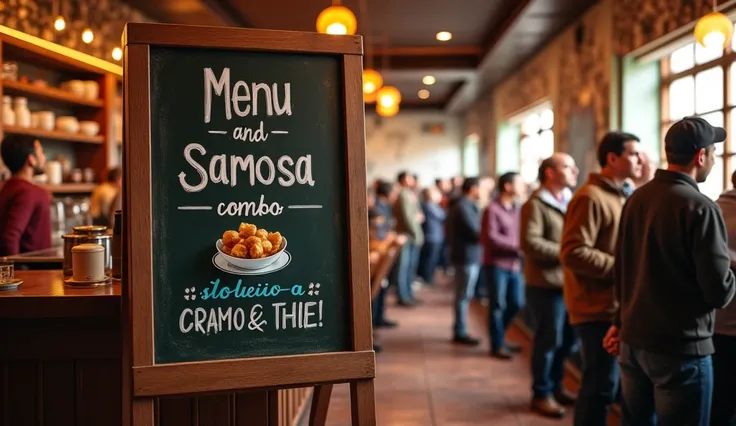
(251, 264)
(89, 128)
(67, 124)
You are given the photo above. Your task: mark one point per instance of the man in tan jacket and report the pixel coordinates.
(542, 219)
(588, 244)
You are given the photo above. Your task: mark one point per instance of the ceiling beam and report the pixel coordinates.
(467, 94)
(230, 15)
(428, 51)
(418, 63)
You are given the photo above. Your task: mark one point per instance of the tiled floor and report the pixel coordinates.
(424, 380)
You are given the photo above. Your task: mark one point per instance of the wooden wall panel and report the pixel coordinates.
(68, 372)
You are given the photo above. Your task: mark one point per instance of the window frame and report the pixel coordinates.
(523, 134)
(726, 61)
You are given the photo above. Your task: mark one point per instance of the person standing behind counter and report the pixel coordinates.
(25, 212)
(103, 198)
(672, 270)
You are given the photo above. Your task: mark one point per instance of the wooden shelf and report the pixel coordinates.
(51, 94)
(54, 135)
(71, 188)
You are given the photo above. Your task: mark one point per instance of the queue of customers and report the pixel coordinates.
(633, 268)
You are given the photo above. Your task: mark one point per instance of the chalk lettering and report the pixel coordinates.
(211, 321)
(296, 315)
(245, 98)
(260, 170)
(249, 208)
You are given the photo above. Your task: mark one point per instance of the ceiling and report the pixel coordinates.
(490, 38)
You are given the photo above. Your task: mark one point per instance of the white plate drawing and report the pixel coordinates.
(221, 263)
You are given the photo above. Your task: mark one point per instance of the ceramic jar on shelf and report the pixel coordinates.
(22, 113)
(8, 112)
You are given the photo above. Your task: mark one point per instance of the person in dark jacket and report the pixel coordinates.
(381, 226)
(723, 411)
(672, 271)
(465, 255)
(434, 233)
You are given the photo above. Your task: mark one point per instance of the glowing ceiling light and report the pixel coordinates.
(88, 36)
(117, 53)
(337, 20)
(59, 23)
(444, 36)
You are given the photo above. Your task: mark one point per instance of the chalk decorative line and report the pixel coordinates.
(224, 132)
(195, 207)
(305, 206)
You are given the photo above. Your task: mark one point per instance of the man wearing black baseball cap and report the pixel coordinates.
(672, 271)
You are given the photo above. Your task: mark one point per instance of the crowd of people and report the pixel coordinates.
(630, 267)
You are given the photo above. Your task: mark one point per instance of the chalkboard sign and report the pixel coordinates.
(246, 238)
(251, 138)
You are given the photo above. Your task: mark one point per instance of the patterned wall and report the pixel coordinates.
(584, 79)
(532, 84)
(638, 22)
(106, 18)
(574, 72)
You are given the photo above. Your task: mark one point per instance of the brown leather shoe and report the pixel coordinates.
(565, 397)
(548, 407)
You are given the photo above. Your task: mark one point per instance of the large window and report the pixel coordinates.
(537, 142)
(700, 81)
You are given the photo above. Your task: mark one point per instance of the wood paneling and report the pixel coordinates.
(75, 379)
(61, 368)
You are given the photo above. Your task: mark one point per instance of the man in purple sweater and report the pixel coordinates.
(500, 227)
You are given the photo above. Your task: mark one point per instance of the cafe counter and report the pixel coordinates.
(61, 364)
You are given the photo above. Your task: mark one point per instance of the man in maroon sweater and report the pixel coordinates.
(25, 214)
(500, 228)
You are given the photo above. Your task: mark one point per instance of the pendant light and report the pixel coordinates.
(388, 96)
(714, 30)
(337, 20)
(372, 81)
(387, 111)
(59, 22)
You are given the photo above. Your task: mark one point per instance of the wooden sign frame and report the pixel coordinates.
(148, 380)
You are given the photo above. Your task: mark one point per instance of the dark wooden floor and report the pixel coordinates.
(424, 380)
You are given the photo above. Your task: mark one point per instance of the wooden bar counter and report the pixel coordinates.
(61, 364)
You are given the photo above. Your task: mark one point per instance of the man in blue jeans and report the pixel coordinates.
(672, 270)
(465, 255)
(588, 243)
(542, 218)
(502, 262)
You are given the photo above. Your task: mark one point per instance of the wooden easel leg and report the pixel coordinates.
(143, 413)
(363, 403)
(320, 405)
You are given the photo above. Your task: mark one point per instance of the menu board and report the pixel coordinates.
(248, 204)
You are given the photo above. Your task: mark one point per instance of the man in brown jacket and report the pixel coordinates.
(542, 219)
(588, 244)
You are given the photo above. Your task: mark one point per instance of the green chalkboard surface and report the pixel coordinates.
(254, 138)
